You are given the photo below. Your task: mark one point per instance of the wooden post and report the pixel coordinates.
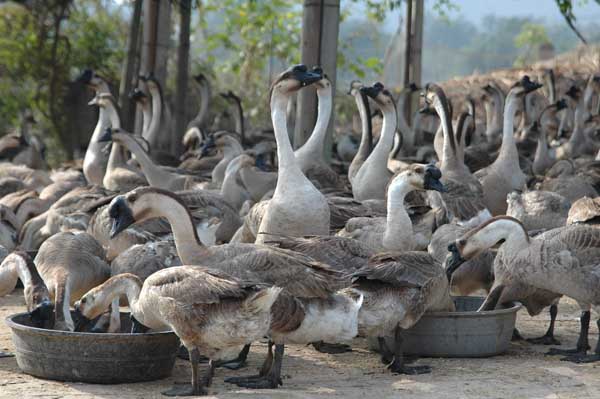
(408, 39)
(183, 57)
(416, 45)
(155, 49)
(127, 73)
(320, 28)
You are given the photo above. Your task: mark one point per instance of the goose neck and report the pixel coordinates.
(398, 233)
(388, 131)
(508, 149)
(285, 153)
(103, 122)
(449, 146)
(12, 268)
(146, 118)
(154, 125)
(156, 176)
(366, 127)
(514, 236)
(316, 142)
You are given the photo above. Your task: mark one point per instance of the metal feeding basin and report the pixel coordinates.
(90, 357)
(464, 333)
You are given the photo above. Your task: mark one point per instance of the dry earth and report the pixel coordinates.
(523, 372)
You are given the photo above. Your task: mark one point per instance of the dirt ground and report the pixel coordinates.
(523, 372)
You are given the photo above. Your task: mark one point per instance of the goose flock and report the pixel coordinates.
(244, 237)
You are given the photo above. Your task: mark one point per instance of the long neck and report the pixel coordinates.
(285, 153)
(156, 176)
(124, 285)
(238, 116)
(388, 130)
(407, 132)
(502, 229)
(542, 156)
(449, 159)
(489, 117)
(498, 108)
(398, 233)
(578, 132)
(117, 154)
(103, 123)
(230, 189)
(365, 145)
(314, 146)
(508, 149)
(146, 117)
(189, 247)
(154, 126)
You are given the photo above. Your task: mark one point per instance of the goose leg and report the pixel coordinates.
(579, 358)
(238, 362)
(582, 342)
(548, 338)
(194, 389)
(273, 378)
(387, 356)
(264, 370)
(398, 364)
(325, 347)
(137, 327)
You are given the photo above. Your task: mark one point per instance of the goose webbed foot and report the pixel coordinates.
(516, 336)
(185, 390)
(333, 349)
(238, 362)
(566, 352)
(399, 367)
(256, 382)
(544, 340)
(582, 358)
(6, 354)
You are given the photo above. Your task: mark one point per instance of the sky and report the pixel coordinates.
(475, 10)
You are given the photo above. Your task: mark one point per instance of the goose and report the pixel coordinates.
(463, 196)
(238, 115)
(395, 231)
(504, 174)
(309, 157)
(406, 132)
(538, 210)
(209, 311)
(33, 179)
(95, 159)
(283, 216)
(373, 176)
(578, 143)
(119, 176)
(151, 134)
(411, 283)
(10, 185)
(494, 118)
(155, 175)
(563, 179)
(229, 145)
(70, 265)
(200, 120)
(366, 138)
(18, 265)
(23, 148)
(141, 98)
(592, 88)
(547, 122)
(562, 261)
(143, 260)
(9, 226)
(585, 210)
(302, 277)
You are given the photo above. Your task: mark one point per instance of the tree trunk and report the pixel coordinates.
(320, 28)
(127, 73)
(183, 57)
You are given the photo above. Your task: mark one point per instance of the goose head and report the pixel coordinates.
(355, 87)
(137, 206)
(91, 79)
(523, 87)
(380, 95)
(478, 240)
(95, 302)
(37, 297)
(138, 96)
(295, 78)
(418, 177)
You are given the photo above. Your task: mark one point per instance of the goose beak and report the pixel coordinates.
(106, 136)
(86, 77)
(81, 322)
(121, 216)
(453, 261)
(306, 77)
(432, 179)
(372, 91)
(42, 313)
(137, 95)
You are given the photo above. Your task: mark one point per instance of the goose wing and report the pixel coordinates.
(413, 269)
(341, 253)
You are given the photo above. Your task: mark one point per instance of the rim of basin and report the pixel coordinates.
(473, 313)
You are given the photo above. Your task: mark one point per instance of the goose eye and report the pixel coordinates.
(83, 300)
(462, 242)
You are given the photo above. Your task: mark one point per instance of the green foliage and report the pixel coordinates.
(531, 37)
